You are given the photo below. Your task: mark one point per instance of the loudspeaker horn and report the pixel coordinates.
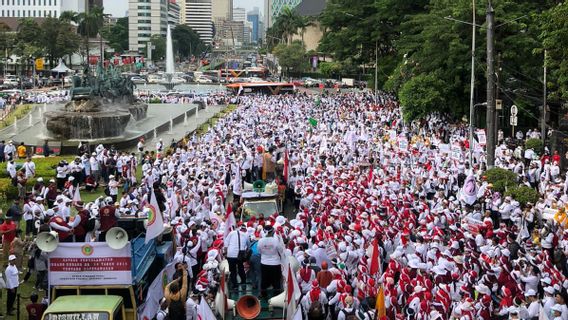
(277, 301)
(258, 186)
(247, 186)
(116, 238)
(47, 241)
(248, 307)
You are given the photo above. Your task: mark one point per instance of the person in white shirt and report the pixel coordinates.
(271, 251)
(95, 167)
(11, 168)
(29, 168)
(236, 241)
(12, 283)
(191, 308)
(9, 150)
(533, 309)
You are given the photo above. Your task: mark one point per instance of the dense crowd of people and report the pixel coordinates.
(359, 180)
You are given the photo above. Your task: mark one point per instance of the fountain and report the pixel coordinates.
(100, 107)
(168, 80)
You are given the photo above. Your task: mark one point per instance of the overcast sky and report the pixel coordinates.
(118, 8)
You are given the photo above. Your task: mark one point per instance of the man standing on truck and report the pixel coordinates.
(237, 240)
(271, 250)
(12, 283)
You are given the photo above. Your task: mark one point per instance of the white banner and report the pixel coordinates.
(89, 263)
(156, 292)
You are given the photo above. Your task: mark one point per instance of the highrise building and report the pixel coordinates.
(146, 18)
(253, 17)
(221, 9)
(275, 7)
(173, 13)
(198, 17)
(43, 8)
(239, 14)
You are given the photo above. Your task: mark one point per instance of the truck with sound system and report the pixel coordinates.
(123, 266)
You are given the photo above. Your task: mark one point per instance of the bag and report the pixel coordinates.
(316, 310)
(107, 191)
(244, 255)
(350, 315)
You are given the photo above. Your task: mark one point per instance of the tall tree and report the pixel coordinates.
(187, 42)
(159, 43)
(89, 25)
(117, 35)
(553, 33)
(286, 24)
(60, 40)
(292, 57)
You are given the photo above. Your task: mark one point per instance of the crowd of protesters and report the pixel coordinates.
(359, 180)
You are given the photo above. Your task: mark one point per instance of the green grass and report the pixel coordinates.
(20, 112)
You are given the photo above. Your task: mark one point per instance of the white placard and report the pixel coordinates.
(89, 263)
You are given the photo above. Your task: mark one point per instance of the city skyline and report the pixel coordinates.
(118, 8)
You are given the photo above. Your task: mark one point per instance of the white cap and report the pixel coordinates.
(530, 292)
(11, 257)
(557, 308)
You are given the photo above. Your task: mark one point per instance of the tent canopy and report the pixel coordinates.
(61, 67)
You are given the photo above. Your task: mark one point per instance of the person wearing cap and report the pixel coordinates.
(112, 187)
(271, 252)
(236, 241)
(95, 166)
(556, 312)
(533, 309)
(108, 217)
(62, 170)
(12, 283)
(12, 172)
(9, 151)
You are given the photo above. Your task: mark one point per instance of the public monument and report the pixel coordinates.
(101, 106)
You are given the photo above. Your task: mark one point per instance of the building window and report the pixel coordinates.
(49, 2)
(34, 13)
(2, 12)
(23, 13)
(54, 2)
(55, 13)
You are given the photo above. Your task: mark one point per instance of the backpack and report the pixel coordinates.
(349, 315)
(316, 310)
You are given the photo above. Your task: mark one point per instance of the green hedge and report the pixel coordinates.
(45, 167)
(501, 179)
(535, 144)
(523, 194)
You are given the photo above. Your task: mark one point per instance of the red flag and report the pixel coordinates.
(370, 179)
(375, 263)
(286, 164)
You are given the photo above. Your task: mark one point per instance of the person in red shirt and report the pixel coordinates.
(35, 310)
(556, 157)
(108, 216)
(8, 232)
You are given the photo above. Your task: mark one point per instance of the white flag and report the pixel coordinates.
(204, 312)
(76, 195)
(469, 190)
(155, 225)
(174, 206)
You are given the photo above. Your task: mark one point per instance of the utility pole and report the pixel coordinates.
(472, 87)
(490, 86)
(544, 103)
(376, 69)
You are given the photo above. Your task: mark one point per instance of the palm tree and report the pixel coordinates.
(69, 17)
(90, 23)
(287, 23)
(303, 24)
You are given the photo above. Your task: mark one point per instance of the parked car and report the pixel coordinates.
(203, 79)
(138, 80)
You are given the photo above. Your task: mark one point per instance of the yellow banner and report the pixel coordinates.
(39, 64)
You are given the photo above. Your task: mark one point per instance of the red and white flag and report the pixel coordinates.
(286, 169)
(174, 205)
(230, 221)
(375, 262)
(370, 179)
(293, 293)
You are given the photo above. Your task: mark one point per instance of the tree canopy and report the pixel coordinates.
(418, 45)
(186, 41)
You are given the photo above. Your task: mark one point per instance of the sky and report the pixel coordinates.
(118, 8)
